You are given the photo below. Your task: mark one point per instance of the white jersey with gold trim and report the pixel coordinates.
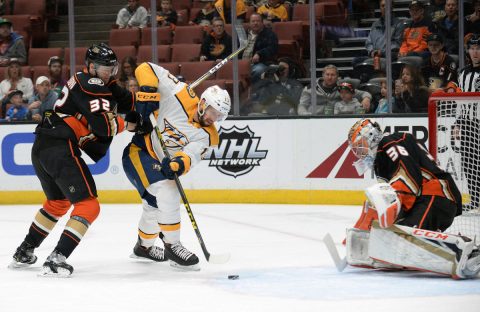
(178, 105)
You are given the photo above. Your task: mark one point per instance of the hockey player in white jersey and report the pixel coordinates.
(188, 127)
(406, 213)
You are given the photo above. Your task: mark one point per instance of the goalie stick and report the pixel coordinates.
(212, 258)
(341, 264)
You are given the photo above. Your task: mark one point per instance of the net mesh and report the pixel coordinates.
(457, 133)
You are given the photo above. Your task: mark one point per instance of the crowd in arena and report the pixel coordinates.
(273, 68)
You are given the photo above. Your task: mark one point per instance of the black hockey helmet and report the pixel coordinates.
(474, 39)
(101, 54)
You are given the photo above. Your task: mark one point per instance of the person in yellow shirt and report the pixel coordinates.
(224, 10)
(274, 11)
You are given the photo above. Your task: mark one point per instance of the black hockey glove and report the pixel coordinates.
(180, 164)
(142, 126)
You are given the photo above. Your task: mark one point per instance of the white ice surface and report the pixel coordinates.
(276, 250)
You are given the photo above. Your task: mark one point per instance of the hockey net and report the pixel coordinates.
(454, 127)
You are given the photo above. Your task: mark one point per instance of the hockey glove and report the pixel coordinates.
(142, 126)
(179, 164)
(115, 123)
(147, 101)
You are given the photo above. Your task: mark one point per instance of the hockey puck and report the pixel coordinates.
(233, 277)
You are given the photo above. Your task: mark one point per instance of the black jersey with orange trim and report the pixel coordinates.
(406, 164)
(85, 105)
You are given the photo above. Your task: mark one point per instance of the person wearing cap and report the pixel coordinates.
(15, 80)
(11, 44)
(447, 27)
(416, 31)
(348, 104)
(55, 73)
(17, 111)
(43, 99)
(438, 68)
(327, 95)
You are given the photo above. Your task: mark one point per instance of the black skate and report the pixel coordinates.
(154, 253)
(23, 256)
(56, 266)
(180, 257)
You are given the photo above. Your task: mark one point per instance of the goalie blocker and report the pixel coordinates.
(403, 247)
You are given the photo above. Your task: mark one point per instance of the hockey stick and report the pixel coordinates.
(341, 264)
(242, 37)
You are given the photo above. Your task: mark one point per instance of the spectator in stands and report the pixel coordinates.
(11, 44)
(14, 80)
(438, 69)
(416, 31)
(383, 106)
(133, 15)
(435, 11)
(167, 16)
(17, 111)
(412, 94)
(447, 27)
(262, 46)
(127, 71)
(327, 95)
(375, 43)
(278, 92)
(218, 44)
(224, 11)
(472, 21)
(206, 15)
(132, 85)
(42, 100)
(55, 72)
(348, 104)
(273, 11)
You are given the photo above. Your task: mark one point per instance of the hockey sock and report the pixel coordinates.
(42, 225)
(73, 233)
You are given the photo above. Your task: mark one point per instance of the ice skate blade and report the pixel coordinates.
(47, 272)
(14, 265)
(195, 267)
(143, 259)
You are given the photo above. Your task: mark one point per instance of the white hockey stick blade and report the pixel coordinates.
(341, 264)
(219, 258)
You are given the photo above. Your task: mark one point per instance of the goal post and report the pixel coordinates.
(454, 142)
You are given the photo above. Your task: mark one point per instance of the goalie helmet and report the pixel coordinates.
(217, 98)
(363, 139)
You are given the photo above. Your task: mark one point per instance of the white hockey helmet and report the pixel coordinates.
(217, 98)
(363, 138)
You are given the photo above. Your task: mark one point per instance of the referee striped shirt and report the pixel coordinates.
(469, 79)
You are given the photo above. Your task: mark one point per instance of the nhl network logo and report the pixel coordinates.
(237, 152)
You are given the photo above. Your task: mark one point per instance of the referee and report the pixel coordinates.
(467, 125)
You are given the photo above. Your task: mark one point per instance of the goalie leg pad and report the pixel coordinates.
(357, 251)
(421, 250)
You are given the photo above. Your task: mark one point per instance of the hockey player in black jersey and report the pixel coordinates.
(413, 202)
(84, 119)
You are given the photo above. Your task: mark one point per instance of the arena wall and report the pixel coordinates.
(302, 161)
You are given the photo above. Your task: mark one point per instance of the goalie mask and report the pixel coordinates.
(363, 139)
(218, 99)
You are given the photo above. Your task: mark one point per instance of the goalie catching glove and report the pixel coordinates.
(384, 199)
(179, 164)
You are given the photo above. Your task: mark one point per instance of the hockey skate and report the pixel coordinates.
(472, 266)
(180, 257)
(23, 256)
(154, 253)
(56, 266)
